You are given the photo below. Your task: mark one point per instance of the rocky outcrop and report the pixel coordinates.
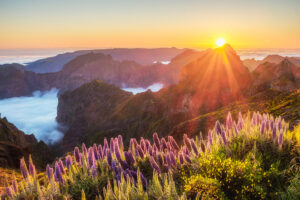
(86, 108)
(15, 144)
(16, 81)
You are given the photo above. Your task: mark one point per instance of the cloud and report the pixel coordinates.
(154, 88)
(35, 114)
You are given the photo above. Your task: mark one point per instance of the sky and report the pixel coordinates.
(79, 24)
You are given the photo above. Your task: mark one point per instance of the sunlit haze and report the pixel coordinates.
(141, 23)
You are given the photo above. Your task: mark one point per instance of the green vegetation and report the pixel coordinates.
(254, 157)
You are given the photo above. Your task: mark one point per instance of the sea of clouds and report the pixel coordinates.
(35, 114)
(260, 54)
(154, 88)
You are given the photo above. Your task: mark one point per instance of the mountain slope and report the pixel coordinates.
(144, 113)
(283, 76)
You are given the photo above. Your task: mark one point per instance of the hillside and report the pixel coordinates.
(253, 156)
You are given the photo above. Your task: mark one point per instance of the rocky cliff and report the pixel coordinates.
(15, 144)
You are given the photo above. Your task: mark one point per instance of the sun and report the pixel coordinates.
(220, 42)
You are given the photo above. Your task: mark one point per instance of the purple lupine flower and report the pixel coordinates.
(140, 151)
(105, 145)
(143, 144)
(69, 161)
(172, 159)
(163, 144)
(187, 142)
(61, 166)
(280, 138)
(84, 149)
(58, 174)
(181, 159)
(49, 172)
(100, 151)
(109, 157)
(8, 191)
(94, 172)
(186, 150)
(144, 181)
(91, 157)
(148, 145)
(96, 153)
(31, 167)
(154, 152)
(77, 155)
(240, 123)
(223, 135)
(129, 158)
(168, 159)
(274, 132)
(23, 169)
(117, 152)
(155, 147)
(187, 158)
(229, 121)
(120, 140)
(209, 137)
(156, 139)
(112, 145)
(154, 164)
(218, 127)
(194, 147)
(173, 143)
(135, 141)
(169, 147)
(262, 128)
(160, 158)
(15, 185)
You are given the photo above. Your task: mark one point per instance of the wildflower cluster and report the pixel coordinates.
(160, 168)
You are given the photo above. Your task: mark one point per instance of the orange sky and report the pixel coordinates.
(193, 24)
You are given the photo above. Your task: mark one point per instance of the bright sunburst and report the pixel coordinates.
(220, 42)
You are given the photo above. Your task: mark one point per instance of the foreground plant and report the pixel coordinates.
(250, 158)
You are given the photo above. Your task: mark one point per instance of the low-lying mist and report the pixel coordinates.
(154, 88)
(35, 114)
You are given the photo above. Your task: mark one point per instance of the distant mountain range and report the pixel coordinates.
(15, 80)
(139, 55)
(199, 87)
(252, 63)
